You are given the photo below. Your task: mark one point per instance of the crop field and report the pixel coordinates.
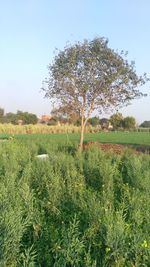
(74, 209)
(131, 138)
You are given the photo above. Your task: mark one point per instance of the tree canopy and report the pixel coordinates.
(116, 120)
(145, 124)
(129, 122)
(25, 117)
(1, 112)
(91, 76)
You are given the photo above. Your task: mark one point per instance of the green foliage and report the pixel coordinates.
(116, 120)
(129, 123)
(117, 137)
(1, 112)
(10, 118)
(28, 258)
(69, 251)
(145, 124)
(14, 118)
(91, 76)
(26, 117)
(94, 121)
(72, 209)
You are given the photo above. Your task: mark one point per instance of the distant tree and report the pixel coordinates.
(1, 115)
(14, 118)
(94, 121)
(104, 122)
(129, 123)
(91, 76)
(145, 124)
(26, 117)
(1, 112)
(10, 117)
(116, 120)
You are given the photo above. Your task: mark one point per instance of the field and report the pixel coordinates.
(138, 140)
(131, 138)
(89, 209)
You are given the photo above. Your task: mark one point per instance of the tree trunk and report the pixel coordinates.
(81, 137)
(83, 124)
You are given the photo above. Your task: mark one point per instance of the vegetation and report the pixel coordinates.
(94, 121)
(145, 124)
(1, 112)
(119, 122)
(73, 209)
(19, 117)
(41, 128)
(131, 138)
(91, 76)
(59, 118)
(116, 120)
(129, 123)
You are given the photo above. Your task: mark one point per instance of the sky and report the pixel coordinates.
(30, 30)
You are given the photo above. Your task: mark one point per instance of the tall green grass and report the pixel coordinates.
(73, 209)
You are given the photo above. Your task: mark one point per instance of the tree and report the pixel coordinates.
(26, 117)
(1, 112)
(129, 123)
(10, 117)
(145, 124)
(116, 120)
(94, 121)
(91, 76)
(104, 122)
(1, 115)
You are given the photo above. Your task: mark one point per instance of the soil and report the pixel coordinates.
(118, 148)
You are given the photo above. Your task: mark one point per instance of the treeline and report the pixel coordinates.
(119, 122)
(145, 124)
(115, 122)
(19, 117)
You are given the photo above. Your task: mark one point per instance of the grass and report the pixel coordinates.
(129, 138)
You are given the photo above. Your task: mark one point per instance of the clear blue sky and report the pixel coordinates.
(30, 30)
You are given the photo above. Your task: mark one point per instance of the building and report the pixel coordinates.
(45, 119)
